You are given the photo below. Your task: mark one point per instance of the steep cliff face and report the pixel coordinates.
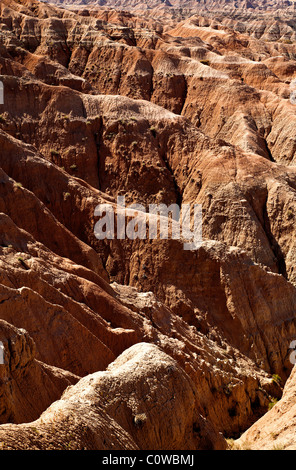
(80, 324)
(105, 103)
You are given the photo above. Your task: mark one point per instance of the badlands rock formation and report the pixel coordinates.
(276, 429)
(182, 4)
(101, 103)
(23, 372)
(144, 400)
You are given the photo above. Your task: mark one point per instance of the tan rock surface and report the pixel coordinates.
(191, 110)
(276, 429)
(80, 324)
(144, 400)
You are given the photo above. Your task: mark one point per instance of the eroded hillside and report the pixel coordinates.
(100, 103)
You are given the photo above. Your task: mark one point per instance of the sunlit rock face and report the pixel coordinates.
(162, 107)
